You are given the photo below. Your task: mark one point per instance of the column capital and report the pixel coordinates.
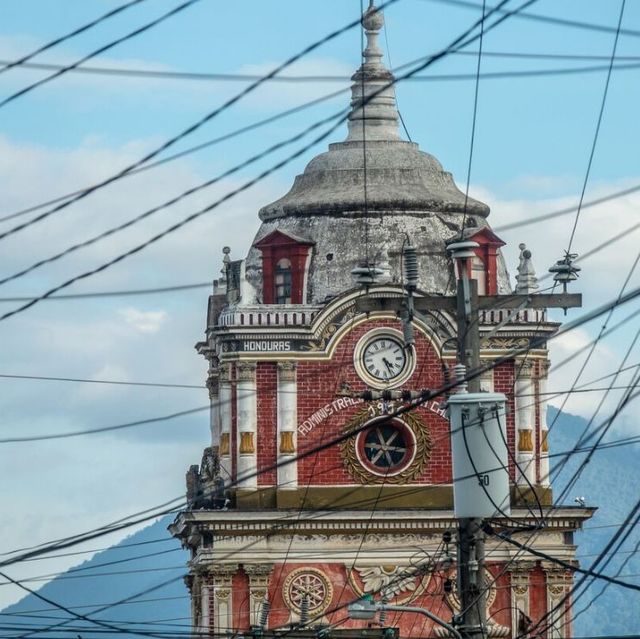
(524, 368)
(258, 570)
(246, 371)
(213, 384)
(544, 366)
(225, 372)
(287, 371)
(222, 571)
(521, 567)
(556, 573)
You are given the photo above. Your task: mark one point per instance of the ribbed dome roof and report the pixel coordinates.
(399, 177)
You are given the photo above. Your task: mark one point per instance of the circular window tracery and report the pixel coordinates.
(394, 451)
(311, 584)
(386, 449)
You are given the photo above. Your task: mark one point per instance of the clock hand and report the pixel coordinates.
(388, 364)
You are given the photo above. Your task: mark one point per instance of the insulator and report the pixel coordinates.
(382, 617)
(304, 611)
(411, 267)
(459, 373)
(407, 333)
(264, 613)
(446, 537)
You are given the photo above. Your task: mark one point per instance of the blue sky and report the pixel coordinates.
(532, 144)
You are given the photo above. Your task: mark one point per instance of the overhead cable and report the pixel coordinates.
(102, 49)
(460, 42)
(23, 60)
(193, 127)
(407, 408)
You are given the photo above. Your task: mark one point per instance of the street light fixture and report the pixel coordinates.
(365, 609)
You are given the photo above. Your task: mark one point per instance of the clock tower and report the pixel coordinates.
(305, 501)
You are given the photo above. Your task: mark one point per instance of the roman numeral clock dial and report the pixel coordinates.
(381, 360)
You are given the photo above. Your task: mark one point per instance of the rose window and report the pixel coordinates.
(386, 449)
(309, 584)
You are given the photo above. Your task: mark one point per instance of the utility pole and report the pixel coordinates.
(470, 556)
(466, 306)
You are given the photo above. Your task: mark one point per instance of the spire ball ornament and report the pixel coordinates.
(372, 19)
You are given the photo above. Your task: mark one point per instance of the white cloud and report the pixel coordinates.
(151, 338)
(601, 279)
(143, 321)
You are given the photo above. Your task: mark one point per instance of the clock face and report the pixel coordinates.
(384, 358)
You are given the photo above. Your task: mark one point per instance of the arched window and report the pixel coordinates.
(282, 281)
(285, 261)
(479, 274)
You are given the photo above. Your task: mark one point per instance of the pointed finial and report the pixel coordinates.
(378, 118)
(373, 21)
(526, 280)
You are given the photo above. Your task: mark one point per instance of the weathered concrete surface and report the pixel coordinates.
(363, 197)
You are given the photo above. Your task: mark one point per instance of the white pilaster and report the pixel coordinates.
(486, 381)
(287, 400)
(559, 584)
(223, 598)
(247, 425)
(519, 596)
(258, 588)
(224, 415)
(525, 422)
(205, 619)
(544, 429)
(213, 385)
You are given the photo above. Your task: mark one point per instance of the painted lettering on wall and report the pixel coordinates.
(346, 402)
(326, 411)
(266, 345)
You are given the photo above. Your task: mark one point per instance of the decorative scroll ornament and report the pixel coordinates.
(390, 582)
(394, 453)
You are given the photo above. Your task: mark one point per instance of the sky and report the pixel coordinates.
(531, 149)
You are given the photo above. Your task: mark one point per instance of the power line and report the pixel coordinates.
(464, 40)
(171, 202)
(69, 541)
(247, 77)
(474, 117)
(104, 429)
(191, 128)
(102, 49)
(332, 95)
(100, 381)
(560, 562)
(598, 124)
(524, 15)
(23, 61)
(198, 147)
(182, 287)
(140, 291)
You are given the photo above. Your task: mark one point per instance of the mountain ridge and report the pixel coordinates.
(151, 562)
